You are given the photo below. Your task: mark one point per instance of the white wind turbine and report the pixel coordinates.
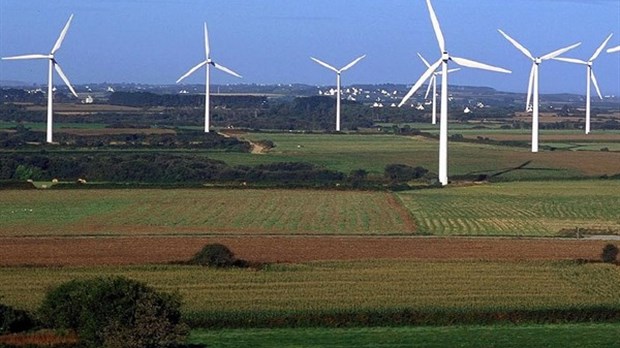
(443, 62)
(433, 83)
(533, 84)
(338, 72)
(591, 79)
(207, 62)
(614, 49)
(53, 65)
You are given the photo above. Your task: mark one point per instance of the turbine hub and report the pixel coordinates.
(537, 61)
(445, 57)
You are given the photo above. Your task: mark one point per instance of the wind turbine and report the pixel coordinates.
(614, 49)
(208, 62)
(53, 65)
(433, 83)
(533, 84)
(591, 79)
(443, 62)
(338, 72)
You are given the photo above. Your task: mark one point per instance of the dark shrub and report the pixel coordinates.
(403, 172)
(214, 255)
(15, 320)
(610, 253)
(115, 312)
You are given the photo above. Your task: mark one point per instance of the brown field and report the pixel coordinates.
(146, 250)
(607, 137)
(586, 162)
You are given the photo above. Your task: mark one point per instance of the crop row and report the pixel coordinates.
(345, 286)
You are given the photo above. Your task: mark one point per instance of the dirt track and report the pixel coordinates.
(141, 250)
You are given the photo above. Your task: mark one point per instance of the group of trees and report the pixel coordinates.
(176, 139)
(152, 168)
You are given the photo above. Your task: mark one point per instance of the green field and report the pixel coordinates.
(532, 336)
(200, 211)
(360, 285)
(517, 208)
(547, 208)
(373, 152)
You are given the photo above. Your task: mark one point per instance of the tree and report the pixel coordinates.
(610, 253)
(115, 312)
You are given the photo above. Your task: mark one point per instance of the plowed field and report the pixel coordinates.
(144, 250)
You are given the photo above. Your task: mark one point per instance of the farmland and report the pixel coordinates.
(518, 209)
(206, 211)
(513, 209)
(350, 285)
(504, 251)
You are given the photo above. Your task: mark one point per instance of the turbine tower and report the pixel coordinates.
(53, 65)
(443, 62)
(614, 49)
(433, 83)
(338, 73)
(533, 84)
(591, 79)
(208, 62)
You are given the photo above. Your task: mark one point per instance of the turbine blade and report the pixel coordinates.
(207, 47)
(420, 82)
(62, 36)
(529, 88)
(595, 83)
(430, 84)
(453, 70)
(325, 65)
(571, 60)
(473, 64)
(436, 27)
(601, 48)
(516, 44)
(348, 66)
(614, 49)
(64, 78)
(560, 51)
(191, 71)
(28, 56)
(428, 65)
(226, 70)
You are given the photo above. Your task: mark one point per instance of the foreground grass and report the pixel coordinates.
(348, 286)
(518, 208)
(577, 336)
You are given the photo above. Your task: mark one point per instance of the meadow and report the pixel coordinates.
(533, 336)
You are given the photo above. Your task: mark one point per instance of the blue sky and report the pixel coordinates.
(270, 41)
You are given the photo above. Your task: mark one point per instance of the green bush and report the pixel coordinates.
(115, 312)
(15, 320)
(610, 253)
(214, 255)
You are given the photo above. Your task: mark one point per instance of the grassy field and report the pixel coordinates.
(518, 208)
(533, 336)
(547, 208)
(373, 152)
(354, 285)
(200, 211)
